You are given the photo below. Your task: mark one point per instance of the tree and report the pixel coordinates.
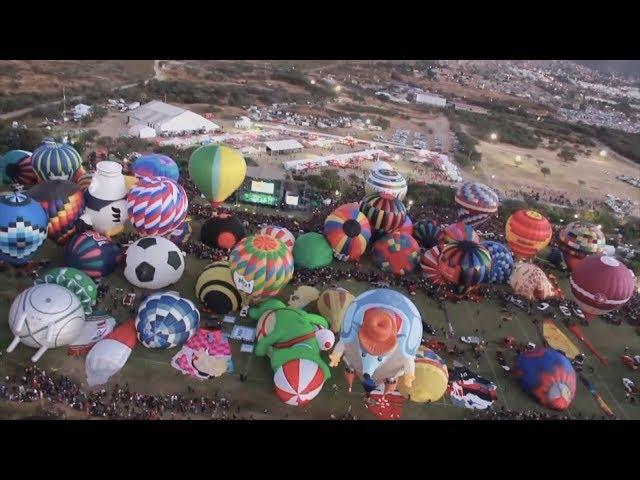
(545, 171)
(540, 162)
(567, 154)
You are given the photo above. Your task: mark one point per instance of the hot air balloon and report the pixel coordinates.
(280, 233)
(458, 232)
(92, 253)
(166, 320)
(222, 231)
(332, 304)
(312, 251)
(82, 178)
(385, 212)
(579, 239)
(217, 171)
(396, 252)
(380, 335)
(64, 203)
(181, 234)
(527, 233)
(477, 203)
(153, 263)
(260, 266)
(55, 161)
(16, 167)
(106, 199)
(108, 356)
(76, 281)
(531, 282)
(465, 264)
(548, 376)
(215, 289)
(23, 228)
(407, 226)
(156, 165)
(348, 232)
(501, 261)
(156, 206)
(427, 233)
(601, 284)
(432, 378)
(429, 261)
(45, 316)
(386, 180)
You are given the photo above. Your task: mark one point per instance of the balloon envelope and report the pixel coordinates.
(527, 232)
(156, 165)
(432, 378)
(465, 264)
(55, 161)
(332, 304)
(23, 228)
(92, 253)
(16, 167)
(396, 252)
(477, 203)
(222, 231)
(531, 282)
(312, 251)
(427, 233)
(385, 212)
(348, 232)
(156, 206)
(166, 320)
(216, 290)
(501, 261)
(217, 171)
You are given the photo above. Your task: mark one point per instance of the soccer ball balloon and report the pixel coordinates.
(153, 262)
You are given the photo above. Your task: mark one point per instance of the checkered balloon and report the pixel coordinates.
(166, 320)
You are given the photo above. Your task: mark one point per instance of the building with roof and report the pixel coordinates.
(165, 118)
(279, 147)
(428, 99)
(142, 131)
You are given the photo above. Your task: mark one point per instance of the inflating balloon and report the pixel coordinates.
(427, 233)
(260, 266)
(45, 316)
(407, 226)
(601, 284)
(429, 262)
(332, 304)
(579, 239)
(312, 251)
(181, 234)
(64, 203)
(348, 232)
(465, 264)
(477, 203)
(78, 282)
(432, 378)
(548, 376)
(385, 212)
(55, 161)
(108, 356)
(527, 232)
(293, 339)
(166, 320)
(222, 231)
(458, 232)
(280, 233)
(386, 180)
(216, 290)
(156, 165)
(153, 263)
(106, 199)
(217, 171)
(156, 206)
(501, 261)
(380, 335)
(531, 282)
(16, 167)
(92, 253)
(396, 252)
(23, 228)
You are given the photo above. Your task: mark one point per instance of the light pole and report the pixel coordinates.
(494, 136)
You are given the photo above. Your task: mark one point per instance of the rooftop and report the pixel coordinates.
(156, 112)
(277, 145)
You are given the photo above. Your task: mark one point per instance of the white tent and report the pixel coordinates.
(142, 131)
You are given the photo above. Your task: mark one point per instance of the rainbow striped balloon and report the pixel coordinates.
(429, 263)
(16, 167)
(348, 232)
(384, 211)
(280, 233)
(55, 161)
(458, 232)
(260, 266)
(465, 264)
(157, 206)
(64, 203)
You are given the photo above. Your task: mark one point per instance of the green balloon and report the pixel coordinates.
(311, 251)
(75, 281)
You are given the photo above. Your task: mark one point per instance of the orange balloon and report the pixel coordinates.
(527, 233)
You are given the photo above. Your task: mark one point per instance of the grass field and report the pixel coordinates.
(150, 371)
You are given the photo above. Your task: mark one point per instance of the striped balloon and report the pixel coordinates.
(396, 252)
(82, 178)
(64, 203)
(501, 261)
(477, 203)
(92, 253)
(166, 320)
(465, 264)
(280, 233)
(458, 232)
(55, 161)
(427, 233)
(298, 381)
(527, 232)
(217, 171)
(156, 206)
(386, 180)
(347, 231)
(16, 167)
(385, 212)
(156, 165)
(429, 263)
(215, 289)
(261, 265)
(181, 234)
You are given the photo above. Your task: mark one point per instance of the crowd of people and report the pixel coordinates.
(506, 414)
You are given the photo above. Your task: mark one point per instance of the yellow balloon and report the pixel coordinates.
(431, 379)
(217, 171)
(332, 304)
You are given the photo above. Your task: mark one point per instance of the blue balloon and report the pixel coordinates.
(501, 261)
(166, 320)
(156, 165)
(23, 228)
